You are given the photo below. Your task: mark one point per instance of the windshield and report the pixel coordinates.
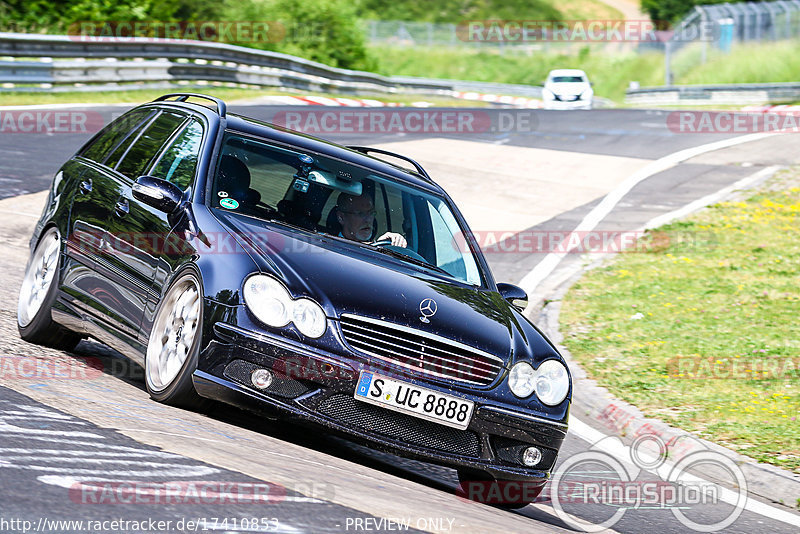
(337, 198)
(568, 79)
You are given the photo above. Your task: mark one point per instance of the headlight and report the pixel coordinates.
(552, 382)
(521, 380)
(268, 300)
(309, 318)
(272, 304)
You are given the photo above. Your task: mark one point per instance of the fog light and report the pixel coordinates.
(531, 456)
(261, 378)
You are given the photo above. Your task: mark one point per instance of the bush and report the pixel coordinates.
(326, 31)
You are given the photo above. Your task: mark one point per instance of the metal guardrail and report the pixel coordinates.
(725, 94)
(94, 63)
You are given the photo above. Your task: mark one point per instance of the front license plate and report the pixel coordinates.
(414, 400)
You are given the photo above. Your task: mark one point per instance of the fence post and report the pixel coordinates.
(667, 67)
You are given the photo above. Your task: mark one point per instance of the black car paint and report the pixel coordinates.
(343, 277)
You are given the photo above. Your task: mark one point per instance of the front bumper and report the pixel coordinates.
(574, 104)
(320, 392)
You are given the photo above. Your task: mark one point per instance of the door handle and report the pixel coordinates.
(121, 208)
(86, 186)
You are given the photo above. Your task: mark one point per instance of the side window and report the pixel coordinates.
(112, 135)
(179, 162)
(139, 156)
(122, 148)
(448, 244)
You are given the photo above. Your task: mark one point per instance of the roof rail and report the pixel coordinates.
(367, 150)
(182, 97)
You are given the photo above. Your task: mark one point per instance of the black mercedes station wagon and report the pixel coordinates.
(336, 286)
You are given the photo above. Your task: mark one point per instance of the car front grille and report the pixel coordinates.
(420, 352)
(401, 427)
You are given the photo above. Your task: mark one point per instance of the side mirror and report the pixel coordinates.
(515, 295)
(160, 194)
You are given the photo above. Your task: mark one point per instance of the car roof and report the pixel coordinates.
(567, 72)
(289, 137)
(293, 138)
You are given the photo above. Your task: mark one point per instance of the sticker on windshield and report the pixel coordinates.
(222, 194)
(229, 203)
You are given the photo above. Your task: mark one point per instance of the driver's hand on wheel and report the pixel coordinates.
(396, 239)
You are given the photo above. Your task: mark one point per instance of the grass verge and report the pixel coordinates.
(700, 328)
(611, 73)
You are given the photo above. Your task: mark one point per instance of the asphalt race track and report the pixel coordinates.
(62, 439)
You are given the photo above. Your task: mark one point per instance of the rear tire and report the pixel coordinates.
(174, 344)
(38, 294)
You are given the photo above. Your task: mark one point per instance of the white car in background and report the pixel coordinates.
(567, 89)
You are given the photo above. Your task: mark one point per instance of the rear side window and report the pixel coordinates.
(179, 161)
(147, 146)
(113, 134)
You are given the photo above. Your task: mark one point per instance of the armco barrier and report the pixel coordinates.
(68, 60)
(727, 94)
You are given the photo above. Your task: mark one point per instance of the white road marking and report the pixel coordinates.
(134, 453)
(36, 411)
(181, 471)
(79, 461)
(545, 267)
(6, 428)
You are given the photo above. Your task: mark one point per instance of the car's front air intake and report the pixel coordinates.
(420, 352)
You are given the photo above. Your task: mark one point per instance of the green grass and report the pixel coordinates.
(766, 62)
(611, 73)
(457, 11)
(699, 328)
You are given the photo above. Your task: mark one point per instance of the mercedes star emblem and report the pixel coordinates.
(427, 308)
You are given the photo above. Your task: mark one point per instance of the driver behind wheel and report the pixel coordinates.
(356, 214)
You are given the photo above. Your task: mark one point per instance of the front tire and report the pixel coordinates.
(37, 295)
(174, 344)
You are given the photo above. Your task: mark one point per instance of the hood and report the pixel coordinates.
(567, 88)
(346, 278)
